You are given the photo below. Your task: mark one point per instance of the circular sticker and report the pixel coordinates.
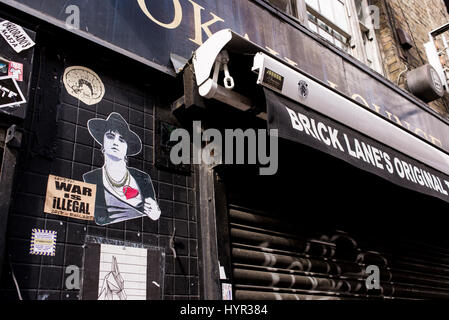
(84, 84)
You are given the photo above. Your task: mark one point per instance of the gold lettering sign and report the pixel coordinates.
(199, 26)
(172, 25)
(70, 198)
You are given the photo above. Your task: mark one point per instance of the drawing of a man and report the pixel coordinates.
(123, 193)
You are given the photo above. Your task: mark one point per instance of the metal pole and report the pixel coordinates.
(12, 144)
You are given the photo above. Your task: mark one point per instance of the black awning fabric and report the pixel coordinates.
(297, 123)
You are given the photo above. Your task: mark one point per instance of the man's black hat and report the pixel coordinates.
(115, 122)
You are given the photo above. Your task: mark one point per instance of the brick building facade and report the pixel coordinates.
(417, 18)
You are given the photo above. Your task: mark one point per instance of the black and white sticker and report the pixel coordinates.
(16, 37)
(84, 84)
(10, 93)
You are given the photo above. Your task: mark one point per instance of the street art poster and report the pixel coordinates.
(15, 70)
(84, 84)
(10, 93)
(15, 36)
(118, 272)
(70, 198)
(43, 242)
(123, 193)
(226, 291)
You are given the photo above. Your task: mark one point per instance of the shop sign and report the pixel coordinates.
(150, 31)
(298, 123)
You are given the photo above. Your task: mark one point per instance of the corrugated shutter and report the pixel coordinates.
(272, 260)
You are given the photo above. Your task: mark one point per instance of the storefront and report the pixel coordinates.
(360, 177)
(349, 193)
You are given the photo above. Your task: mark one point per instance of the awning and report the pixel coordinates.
(307, 111)
(298, 123)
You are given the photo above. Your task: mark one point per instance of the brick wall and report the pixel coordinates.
(417, 18)
(57, 142)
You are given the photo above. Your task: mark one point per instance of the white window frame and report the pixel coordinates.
(356, 46)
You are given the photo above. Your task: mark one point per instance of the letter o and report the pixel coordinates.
(399, 168)
(176, 20)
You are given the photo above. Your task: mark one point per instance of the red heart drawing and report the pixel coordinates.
(130, 192)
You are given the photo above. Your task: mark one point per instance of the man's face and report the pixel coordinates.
(115, 147)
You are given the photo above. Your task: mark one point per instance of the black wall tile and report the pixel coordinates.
(51, 278)
(76, 233)
(61, 168)
(180, 211)
(73, 255)
(181, 285)
(83, 154)
(65, 149)
(105, 107)
(181, 228)
(66, 131)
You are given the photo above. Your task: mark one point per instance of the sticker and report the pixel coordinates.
(84, 84)
(3, 67)
(226, 291)
(123, 193)
(70, 198)
(15, 70)
(10, 93)
(16, 37)
(43, 242)
(222, 273)
(273, 79)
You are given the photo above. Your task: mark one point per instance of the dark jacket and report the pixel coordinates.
(102, 216)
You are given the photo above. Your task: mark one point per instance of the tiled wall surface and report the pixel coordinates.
(75, 154)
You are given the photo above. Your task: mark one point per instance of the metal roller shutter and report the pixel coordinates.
(270, 260)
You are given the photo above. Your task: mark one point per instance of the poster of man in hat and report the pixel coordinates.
(123, 193)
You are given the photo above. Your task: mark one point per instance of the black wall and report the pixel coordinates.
(56, 141)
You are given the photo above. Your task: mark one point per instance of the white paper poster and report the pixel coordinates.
(123, 273)
(15, 36)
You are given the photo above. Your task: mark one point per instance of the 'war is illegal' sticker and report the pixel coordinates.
(43, 242)
(70, 198)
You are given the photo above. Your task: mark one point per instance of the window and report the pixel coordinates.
(329, 19)
(348, 24)
(367, 31)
